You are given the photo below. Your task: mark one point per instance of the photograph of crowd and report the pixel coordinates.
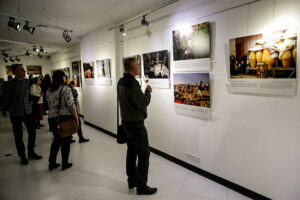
(192, 89)
(138, 59)
(192, 42)
(88, 69)
(271, 55)
(156, 64)
(34, 70)
(103, 68)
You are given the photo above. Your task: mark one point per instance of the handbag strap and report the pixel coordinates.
(59, 101)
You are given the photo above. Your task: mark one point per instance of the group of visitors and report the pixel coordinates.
(27, 101)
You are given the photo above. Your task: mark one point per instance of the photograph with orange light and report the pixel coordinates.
(272, 55)
(191, 42)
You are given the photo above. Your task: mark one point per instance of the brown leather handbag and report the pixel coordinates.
(67, 127)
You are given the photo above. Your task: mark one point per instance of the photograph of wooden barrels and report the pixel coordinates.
(266, 55)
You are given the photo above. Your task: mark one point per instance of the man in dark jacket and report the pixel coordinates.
(18, 104)
(133, 104)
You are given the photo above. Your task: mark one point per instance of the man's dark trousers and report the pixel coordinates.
(138, 147)
(18, 133)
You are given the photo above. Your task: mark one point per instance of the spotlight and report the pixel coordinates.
(40, 55)
(11, 23)
(66, 36)
(4, 54)
(5, 60)
(17, 59)
(144, 22)
(122, 30)
(28, 28)
(42, 50)
(11, 59)
(35, 49)
(28, 53)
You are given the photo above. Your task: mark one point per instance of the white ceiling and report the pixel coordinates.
(82, 16)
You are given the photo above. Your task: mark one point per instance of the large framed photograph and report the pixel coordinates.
(264, 56)
(156, 65)
(191, 42)
(34, 70)
(192, 89)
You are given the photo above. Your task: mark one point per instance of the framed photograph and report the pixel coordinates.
(67, 72)
(192, 89)
(103, 68)
(88, 70)
(34, 69)
(75, 67)
(264, 56)
(192, 42)
(8, 70)
(156, 65)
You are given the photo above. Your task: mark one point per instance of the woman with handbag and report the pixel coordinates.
(62, 111)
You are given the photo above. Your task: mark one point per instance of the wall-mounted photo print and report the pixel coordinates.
(66, 70)
(192, 89)
(34, 70)
(192, 42)
(103, 68)
(75, 67)
(8, 70)
(156, 65)
(88, 70)
(272, 55)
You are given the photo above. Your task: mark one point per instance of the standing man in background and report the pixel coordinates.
(133, 104)
(16, 100)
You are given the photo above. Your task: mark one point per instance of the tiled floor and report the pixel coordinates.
(98, 173)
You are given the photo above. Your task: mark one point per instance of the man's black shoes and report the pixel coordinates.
(145, 190)
(24, 161)
(83, 140)
(53, 166)
(34, 156)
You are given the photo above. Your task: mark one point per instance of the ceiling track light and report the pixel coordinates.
(5, 60)
(144, 22)
(40, 55)
(28, 53)
(4, 54)
(122, 30)
(34, 48)
(11, 59)
(28, 28)
(17, 59)
(11, 23)
(66, 36)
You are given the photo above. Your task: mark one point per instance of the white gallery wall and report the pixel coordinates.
(251, 140)
(64, 59)
(99, 102)
(34, 60)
